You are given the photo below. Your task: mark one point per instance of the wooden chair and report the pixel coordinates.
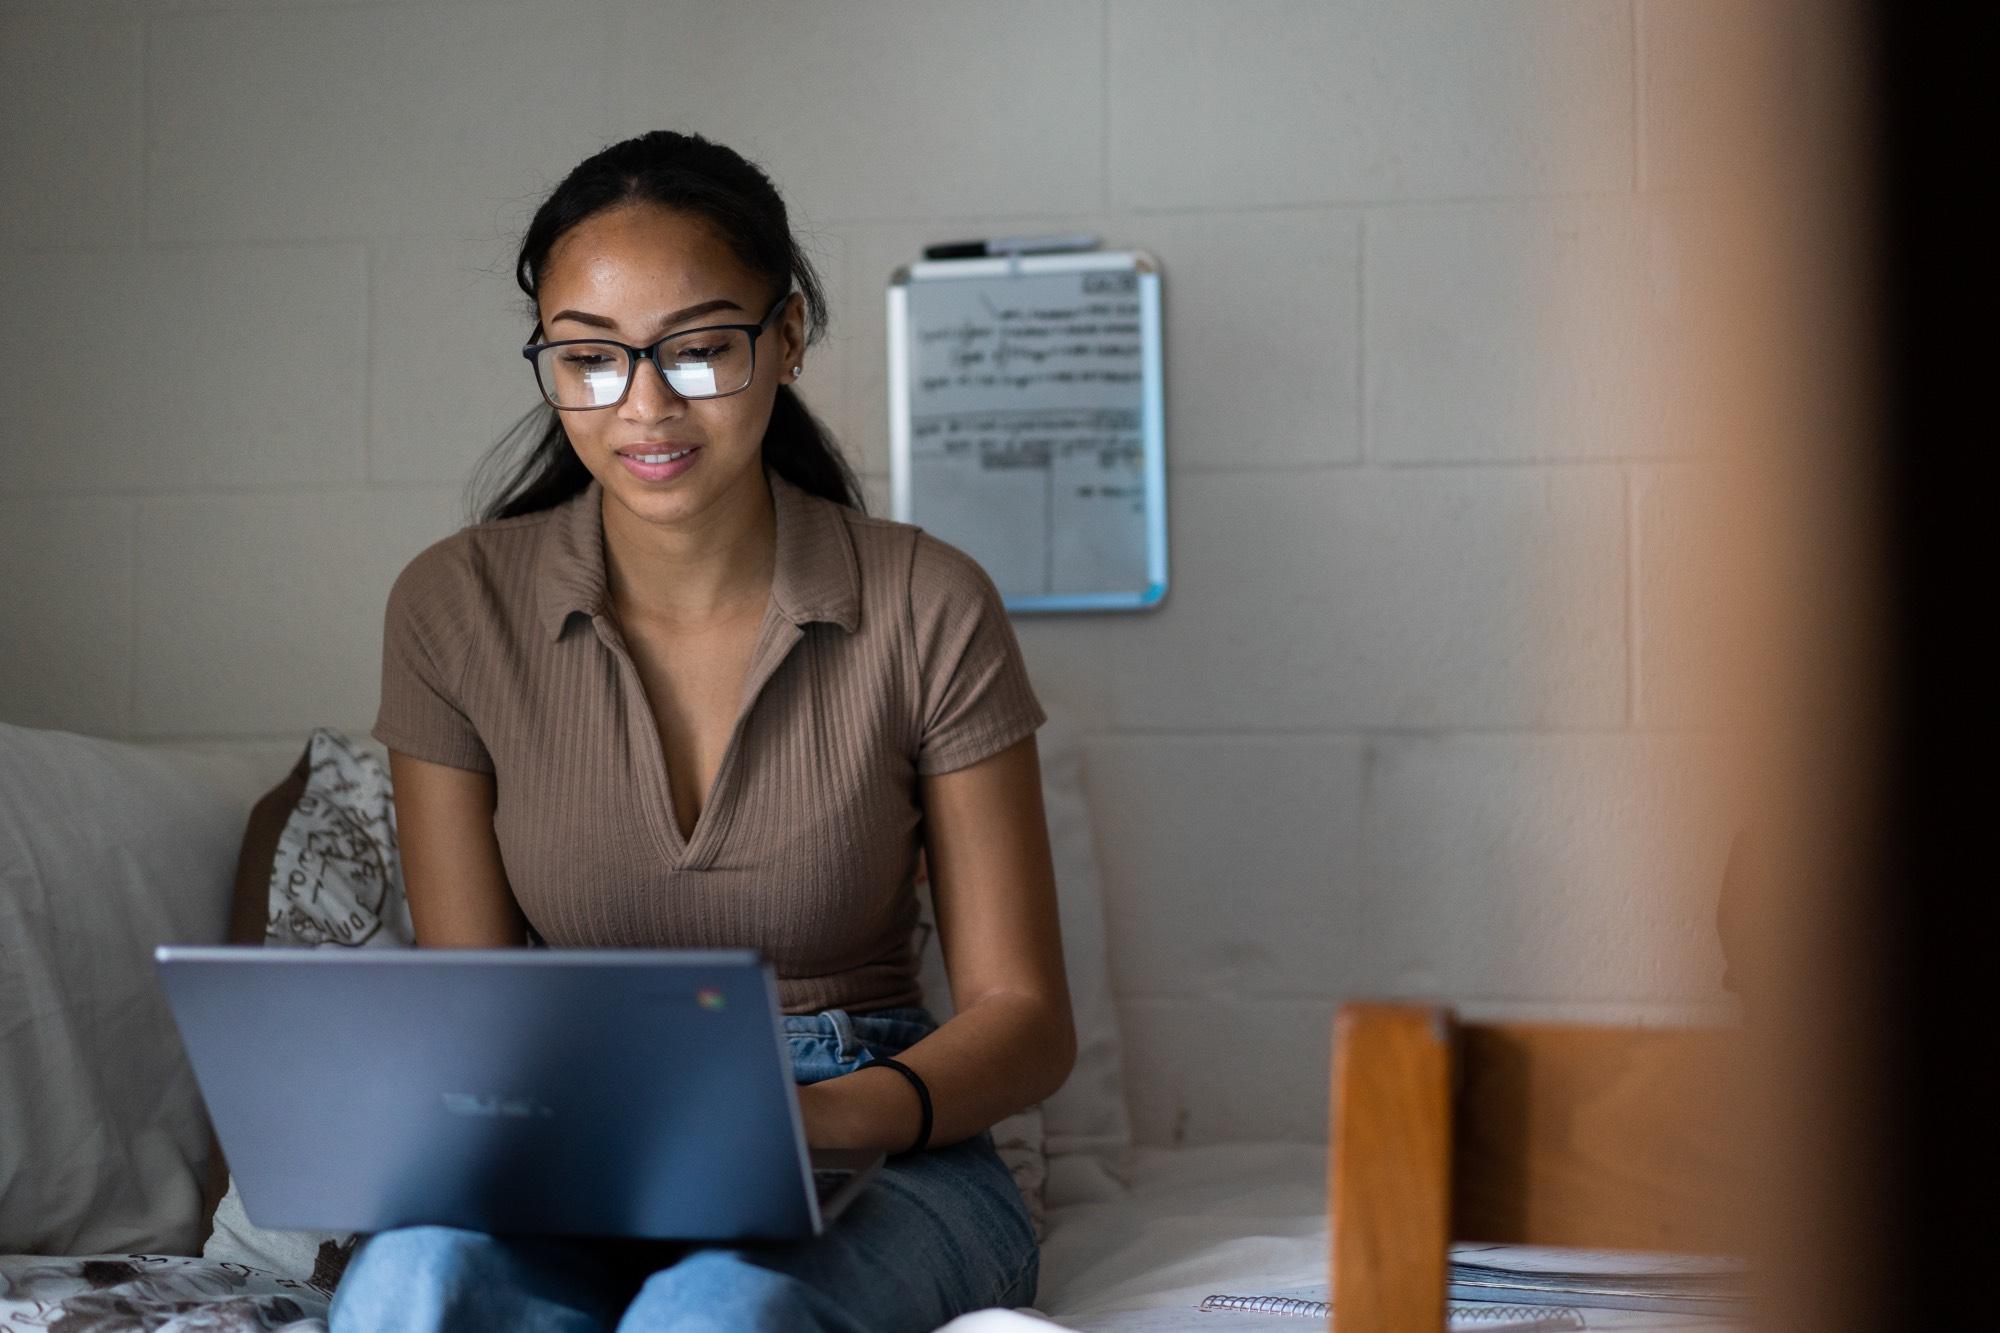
(1512, 1133)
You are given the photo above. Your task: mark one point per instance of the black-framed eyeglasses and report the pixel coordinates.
(581, 374)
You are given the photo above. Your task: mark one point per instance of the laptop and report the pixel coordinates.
(639, 1093)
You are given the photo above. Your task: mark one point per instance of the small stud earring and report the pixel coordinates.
(798, 371)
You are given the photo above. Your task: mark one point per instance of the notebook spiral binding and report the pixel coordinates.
(1271, 1304)
(1537, 1316)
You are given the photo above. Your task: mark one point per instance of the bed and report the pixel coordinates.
(107, 848)
(1236, 1218)
(1223, 1217)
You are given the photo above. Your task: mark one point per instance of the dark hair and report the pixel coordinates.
(692, 174)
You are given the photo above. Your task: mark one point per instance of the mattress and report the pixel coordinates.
(1219, 1219)
(1213, 1218)
(1236, 1219)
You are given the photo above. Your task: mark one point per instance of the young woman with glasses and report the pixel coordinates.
(674, 689)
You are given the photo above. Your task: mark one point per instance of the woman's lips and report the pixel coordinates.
(661, 471)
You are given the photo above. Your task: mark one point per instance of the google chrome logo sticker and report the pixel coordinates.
(710, 998)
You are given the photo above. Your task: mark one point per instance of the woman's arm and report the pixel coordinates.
(452, 872)
(1011, 1040)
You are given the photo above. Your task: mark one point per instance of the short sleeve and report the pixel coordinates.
(424, 648)
(976, 699)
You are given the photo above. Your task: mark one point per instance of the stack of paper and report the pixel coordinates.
(1601, 1279)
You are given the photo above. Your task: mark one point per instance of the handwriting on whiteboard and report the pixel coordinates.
(1027, 443)
(1016, 348)
(991, 440)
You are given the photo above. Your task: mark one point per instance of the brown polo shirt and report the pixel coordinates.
(884, 654)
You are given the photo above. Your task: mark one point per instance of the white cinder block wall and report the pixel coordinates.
(1407, 723)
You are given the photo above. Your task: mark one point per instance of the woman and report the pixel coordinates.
(676, 691)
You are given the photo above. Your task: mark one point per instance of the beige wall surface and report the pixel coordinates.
(1415, 717)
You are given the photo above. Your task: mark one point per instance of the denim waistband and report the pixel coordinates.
(900, 1025)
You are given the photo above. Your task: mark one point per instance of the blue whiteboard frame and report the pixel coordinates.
(1152, 406)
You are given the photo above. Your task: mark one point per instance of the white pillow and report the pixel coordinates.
(1075, 1145)
(1088, 1131)
(106, 850)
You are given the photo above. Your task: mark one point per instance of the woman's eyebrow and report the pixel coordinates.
(602, 322)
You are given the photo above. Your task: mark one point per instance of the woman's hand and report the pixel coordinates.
(847, 1111)
(812, 1109)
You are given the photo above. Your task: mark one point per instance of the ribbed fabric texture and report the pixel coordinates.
(885, 654)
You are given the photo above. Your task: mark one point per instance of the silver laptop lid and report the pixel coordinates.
(614, 1092)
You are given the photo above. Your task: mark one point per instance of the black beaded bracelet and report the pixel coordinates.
(923, 1095)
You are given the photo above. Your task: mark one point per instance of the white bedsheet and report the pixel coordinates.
(1232, 1217)
(1242, 1219)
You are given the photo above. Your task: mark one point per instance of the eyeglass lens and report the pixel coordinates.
(700, 364)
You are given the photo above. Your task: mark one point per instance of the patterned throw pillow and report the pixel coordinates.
(336, 882)
(336, 878)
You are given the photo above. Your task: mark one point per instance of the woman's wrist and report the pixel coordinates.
(850, 1111)
(918, 1086)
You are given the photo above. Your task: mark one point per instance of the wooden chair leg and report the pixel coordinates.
(1389, 1171)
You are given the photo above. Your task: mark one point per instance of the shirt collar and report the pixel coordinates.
(816, 577)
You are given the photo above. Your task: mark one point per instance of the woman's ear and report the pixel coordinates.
(794, 323)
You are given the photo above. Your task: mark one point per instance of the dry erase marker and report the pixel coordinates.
(1012, 245)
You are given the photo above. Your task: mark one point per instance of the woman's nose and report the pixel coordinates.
(650, 392)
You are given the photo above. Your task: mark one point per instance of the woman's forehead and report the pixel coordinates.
(639, 271)
(635, 240)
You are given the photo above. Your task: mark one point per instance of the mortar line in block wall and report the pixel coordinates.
(162, 245)
(1284, 732)
(129, 723)
(223, 490)
(224, 8)
(1654, 1012)
(1104, 104)
(367, 363)
(1369, 205)
(1638, 98)
(298, 737)
(1630, 497)
(144, 229)
(1364, 418)
(1229, 995)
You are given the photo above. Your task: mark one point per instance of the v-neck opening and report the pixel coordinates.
(695, 849)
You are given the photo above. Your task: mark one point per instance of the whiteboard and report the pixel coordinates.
(1026, 424)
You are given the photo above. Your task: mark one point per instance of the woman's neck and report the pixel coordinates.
(715, 567)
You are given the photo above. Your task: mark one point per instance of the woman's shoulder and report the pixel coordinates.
(476, 551)
(927, 568)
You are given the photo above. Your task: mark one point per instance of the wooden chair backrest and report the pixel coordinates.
(1513, 1133)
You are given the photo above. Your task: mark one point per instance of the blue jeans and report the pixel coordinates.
(932, 1235)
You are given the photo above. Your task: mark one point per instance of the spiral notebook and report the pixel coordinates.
(1481, 1316)
(1528, 1287)
(1298, 1309)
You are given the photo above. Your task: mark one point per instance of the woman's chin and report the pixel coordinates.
(697, 483)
